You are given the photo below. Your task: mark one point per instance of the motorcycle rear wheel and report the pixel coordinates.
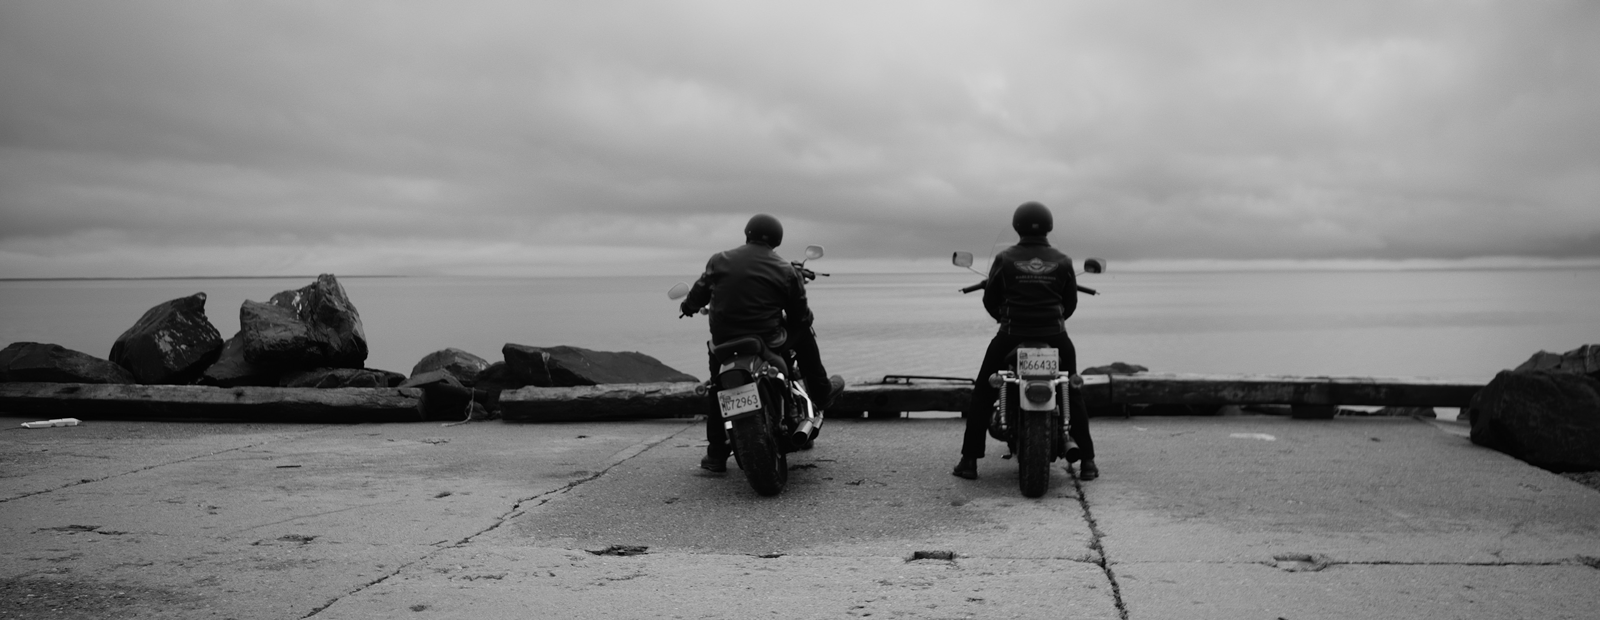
(1033, 453)
(754, 445)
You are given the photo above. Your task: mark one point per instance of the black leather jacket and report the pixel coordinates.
(1032, 289)
(750, 289)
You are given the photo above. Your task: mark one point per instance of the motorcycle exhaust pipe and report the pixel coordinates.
(807, 430)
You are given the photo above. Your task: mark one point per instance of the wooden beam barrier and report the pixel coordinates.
(1199, 389)
(270, 404)
(615, 401)
(678, 400)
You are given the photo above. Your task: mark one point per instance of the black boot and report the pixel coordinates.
(1087, 470)
(715, 460)
(967, 468)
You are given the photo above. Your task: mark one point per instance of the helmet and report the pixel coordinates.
(1032, 220)
(765, 229)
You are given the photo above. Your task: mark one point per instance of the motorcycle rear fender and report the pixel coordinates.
(739, 370)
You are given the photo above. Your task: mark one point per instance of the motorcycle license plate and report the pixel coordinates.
(740, 400)
(1038, 362)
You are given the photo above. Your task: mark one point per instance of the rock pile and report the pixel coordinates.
(1545, 411)
(312, 337)
(459, 385)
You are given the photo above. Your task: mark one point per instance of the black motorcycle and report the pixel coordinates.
(762, 399)
(1032, 414)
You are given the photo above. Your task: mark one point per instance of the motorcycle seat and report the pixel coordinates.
(747, 345)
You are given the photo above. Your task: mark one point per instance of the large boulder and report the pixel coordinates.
(53, 363)
(1546, 412)
(171, 344)
(343, 378)
(233, 370)
(1584, 360)
(574, 366)
(464, 366)
(524, 366)
(312, 327)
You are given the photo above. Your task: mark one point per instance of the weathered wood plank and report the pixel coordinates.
(615, 401)
(1200, 389)
(673, 400)
(276, 404)
(930, 396)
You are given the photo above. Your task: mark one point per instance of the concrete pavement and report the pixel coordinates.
(1227, 517)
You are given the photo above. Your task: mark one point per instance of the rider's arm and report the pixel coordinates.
(700, 293)
(797, 312)
(994, 294)
(1069, 292)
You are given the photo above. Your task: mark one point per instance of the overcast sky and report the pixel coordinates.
(389, 137)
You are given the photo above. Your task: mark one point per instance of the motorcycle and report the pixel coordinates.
(762, 399)
(1032, 415)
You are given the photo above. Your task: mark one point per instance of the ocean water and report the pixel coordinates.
(1453, 324)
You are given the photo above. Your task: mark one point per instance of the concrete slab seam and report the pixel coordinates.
(1313, 565)
(145, 469)
(515, 510)
(1096, 536)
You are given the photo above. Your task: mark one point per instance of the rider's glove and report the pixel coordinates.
(685, 310)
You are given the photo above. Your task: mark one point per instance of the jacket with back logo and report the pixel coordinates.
(1032, 289)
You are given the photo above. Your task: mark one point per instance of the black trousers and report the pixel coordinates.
(807, 357)
(984, 395)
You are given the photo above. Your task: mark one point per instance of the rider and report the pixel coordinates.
(754, 292)
(1031, 291)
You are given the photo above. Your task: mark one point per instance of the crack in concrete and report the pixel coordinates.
(1095, 543)
(155, 466)
(516, 510)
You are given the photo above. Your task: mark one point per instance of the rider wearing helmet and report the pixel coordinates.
(754, 292)
(1031, 291)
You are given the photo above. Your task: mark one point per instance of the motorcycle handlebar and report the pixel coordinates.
(808, 274)
(981, 285)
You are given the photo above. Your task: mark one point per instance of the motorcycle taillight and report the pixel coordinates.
(1038, 392)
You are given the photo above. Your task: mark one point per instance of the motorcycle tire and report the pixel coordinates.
(756, 447)
(1033, 454)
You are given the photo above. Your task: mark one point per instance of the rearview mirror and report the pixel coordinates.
(679, 291)
(1094, 265)
(813, 252)
(961, 259)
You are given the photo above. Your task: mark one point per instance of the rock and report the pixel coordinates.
(53, 363)
(233, 370)
(1114, 368)
(1551, 419)
(445, 398)
(312, 327)
(573, 366)
(525, 366)
(171, 344)
(492, 381)
(1396, 412)
(464, 366)
(343, 378)
(1584, 360)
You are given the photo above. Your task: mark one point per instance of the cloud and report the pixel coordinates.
(168, 138)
